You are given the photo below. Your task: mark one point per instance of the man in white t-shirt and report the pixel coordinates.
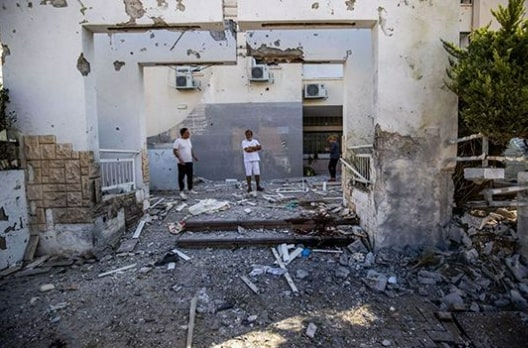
(184, 153)
(251, 148)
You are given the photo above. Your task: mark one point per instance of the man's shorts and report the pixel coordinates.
(252, 167)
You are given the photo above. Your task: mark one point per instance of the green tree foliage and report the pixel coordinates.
(7, 118)
(490, 76)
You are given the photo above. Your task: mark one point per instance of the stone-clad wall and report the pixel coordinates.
(63, 185)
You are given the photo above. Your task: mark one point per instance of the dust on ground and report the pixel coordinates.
(470, 295)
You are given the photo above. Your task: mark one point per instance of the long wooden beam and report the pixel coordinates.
(235, 242)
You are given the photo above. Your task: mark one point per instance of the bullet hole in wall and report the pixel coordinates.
(117, 129)
(267, 88)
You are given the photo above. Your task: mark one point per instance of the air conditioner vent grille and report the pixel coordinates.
(315, 91)
(181, 81)
(259, 72)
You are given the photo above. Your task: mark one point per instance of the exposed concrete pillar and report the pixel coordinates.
(415, 119)
(522, 215)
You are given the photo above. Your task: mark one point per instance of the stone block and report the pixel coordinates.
(55, 199)
(31, 148)
(74, 199)
(40, 216)
(57, 175)
(86, 158)
(34, 174)
(75, 155)
(56, 163)
(73, 171)
(94, 170)
(72, 216)
(47, 151)
(47, 139)
(73, 187)
(34, 192)
(50, 188)
(64, 151)
(483, 173)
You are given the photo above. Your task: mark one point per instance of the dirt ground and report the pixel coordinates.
(70, 302)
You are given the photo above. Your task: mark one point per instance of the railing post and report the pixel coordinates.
(485, 151)
(522, 214)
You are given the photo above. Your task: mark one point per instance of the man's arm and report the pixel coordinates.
(177, 155)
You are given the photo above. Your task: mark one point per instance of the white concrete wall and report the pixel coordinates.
(205, 14)
(47, 88)
(359, 80)
(14, 232)
(253, 13)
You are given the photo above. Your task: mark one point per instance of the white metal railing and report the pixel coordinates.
(359, 164)
(118, 170)
(484, 157)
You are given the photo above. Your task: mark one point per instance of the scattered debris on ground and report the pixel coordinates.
(288, 268)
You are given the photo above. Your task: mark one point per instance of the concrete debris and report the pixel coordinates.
(46, 287)
(478, 271)
(208, 206)
(260, 269)
(310, 330)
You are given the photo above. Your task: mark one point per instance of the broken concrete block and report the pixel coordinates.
(483, 173)
(376, 281)
(310, 330)
(452, 299)
(208, 206)
(46, 287)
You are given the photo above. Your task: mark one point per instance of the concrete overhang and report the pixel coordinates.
(148, 14)
(105, 28)
(332, 14)
(348, 24)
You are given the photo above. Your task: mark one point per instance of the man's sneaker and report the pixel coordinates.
(193, 192)
(259, 188)
(183, 196)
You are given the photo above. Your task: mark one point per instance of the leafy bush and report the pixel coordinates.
(7, 118)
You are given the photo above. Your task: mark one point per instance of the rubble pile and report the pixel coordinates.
(478, 271)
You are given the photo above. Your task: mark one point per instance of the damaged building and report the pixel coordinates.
(105, 88)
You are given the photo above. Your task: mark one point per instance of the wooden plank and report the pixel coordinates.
(117, 270)
(138, 229)
(250, 284)
(31, 247)
(293, 255)
(204, 226)
(287, 274)
(192, 315)
(181, 254)
(235, 242)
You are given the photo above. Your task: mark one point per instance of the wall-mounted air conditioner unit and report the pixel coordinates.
(185, 81)
(259, 72)
(315, 91)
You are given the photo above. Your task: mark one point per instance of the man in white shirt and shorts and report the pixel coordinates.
(251, 148)
(184, 153)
